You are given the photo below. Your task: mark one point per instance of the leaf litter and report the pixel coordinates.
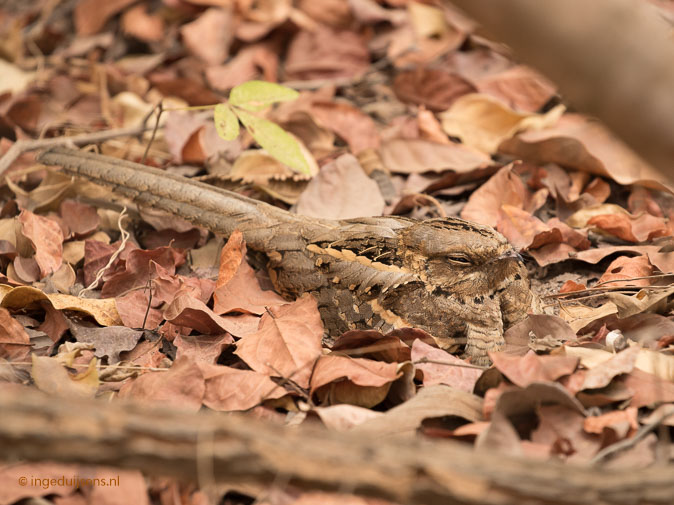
(396, 100)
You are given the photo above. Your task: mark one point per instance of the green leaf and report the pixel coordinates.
(226, 122)
(256, 95)
(275, 140)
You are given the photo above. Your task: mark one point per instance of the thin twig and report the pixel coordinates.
(631, 442)
(160, 110)
(86, 365)
(148, 286)
(601, 290)
(22, 146)
(448, 363)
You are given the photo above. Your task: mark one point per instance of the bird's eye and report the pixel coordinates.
(459, 259)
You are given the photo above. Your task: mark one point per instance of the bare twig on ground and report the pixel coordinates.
(23, 146)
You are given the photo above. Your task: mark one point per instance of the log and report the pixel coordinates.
(235, 449)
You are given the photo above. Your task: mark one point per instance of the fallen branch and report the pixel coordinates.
(160, 441)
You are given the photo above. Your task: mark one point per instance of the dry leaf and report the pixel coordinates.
(350, 123)
(523, 371)
(584, 144)
(625, 268)
(208, 37)
(51, 376)
(341, 190)
(229, 389)
(444, 368)
(430, 402)
(102, 310)
(180, 387)
(287, 343)
(47, 239)
(519, 87)
(435, 89)
(483, 122)
(414, 156)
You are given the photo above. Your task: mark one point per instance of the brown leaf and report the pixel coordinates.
(561, 429)
(477, 63)
(499, 437)
(14, 341)
(208, 37)
(260, 17)
(430, 128)
(187, 311)
(372, 344)
(430, 402)
(133, 310)
(51, 376)
(26, 270)
(287, 343)
(602, 374)
(257, 167)
(444, 368)
(625, 268)
(46, 238)
(350, 123)
(243, 294)
(91, 15)
(229, 389)
(326, 54)
(503, 188)
(629, 228)
(523, 230)
(362, 372)
(344, 417)
(414, 156)
(542, 326)
(55, 323)
(523, 371)
(252, 62)
(80, 218)
(231, 257)
(571, 286)
(519, 87)
(341, 191)
(109, 341)
(97, 254)
(432, 88)
(584, 144)
(181, 387)
(138, 269)
(335, 13)
(483, 122)
(138, 23)
(202, 348)
(615, 420)
(648, 388)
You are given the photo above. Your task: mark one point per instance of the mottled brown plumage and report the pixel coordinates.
(449, 277)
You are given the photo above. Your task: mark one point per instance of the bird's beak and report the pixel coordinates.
(512, 253)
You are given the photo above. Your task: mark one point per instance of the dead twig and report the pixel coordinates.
(631, 442)
(23, 146)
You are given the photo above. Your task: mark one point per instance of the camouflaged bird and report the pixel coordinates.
(449, 277)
